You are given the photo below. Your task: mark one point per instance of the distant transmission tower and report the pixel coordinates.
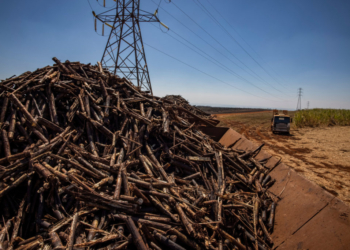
(308, 104)
(124, 54)
(300, 92)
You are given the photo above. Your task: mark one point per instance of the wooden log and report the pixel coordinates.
(161, 208)
(73, 228)
(118, 183)
(167, 242)
(52, 104)
(24, 111)
(3, 110)
(184, 239)
(272, 215)
(49, 124)
(137, 239)
(95, 223)
(61, 66)
(125, 181)
(12, 125)
(57, 173)
(4, 230)
(185, 221)
(262, 225)
(139, 194)
(55, 240)
(15, 184)
(6, 143)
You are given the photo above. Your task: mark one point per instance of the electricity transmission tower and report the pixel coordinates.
(300, 92)
(124, 54)
(308, 104)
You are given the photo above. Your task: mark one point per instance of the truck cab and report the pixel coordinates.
(280, 122)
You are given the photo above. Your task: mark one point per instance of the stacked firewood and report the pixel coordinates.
(87, 160)
(182, 102)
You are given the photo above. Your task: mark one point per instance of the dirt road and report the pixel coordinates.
(322, 155)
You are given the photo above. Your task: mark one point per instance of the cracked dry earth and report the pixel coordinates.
(322, 155)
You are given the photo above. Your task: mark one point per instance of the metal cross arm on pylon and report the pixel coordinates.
(124, 54)
(143, 16)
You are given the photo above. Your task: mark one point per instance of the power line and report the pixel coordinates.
(210, 44)
(214, 39)
(204, 72)
(205, 41)
(228, 33)
(223, 46)
(206, 11)
(242, 38)
(214, 61)
(90, 5)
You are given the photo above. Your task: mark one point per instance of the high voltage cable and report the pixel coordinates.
(223, 45)
(214, 61)
(218, 23)
(216, 40)
(228, 33)
(205, 40)
(206, 73)
(243, 38)
(90, 5)
(217, 62)
(212, 45)
(208, 43)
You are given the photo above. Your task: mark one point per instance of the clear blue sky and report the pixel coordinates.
(299, 43)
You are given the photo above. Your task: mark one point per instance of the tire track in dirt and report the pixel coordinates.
(245, 131)
(299, 160)
(259, 133)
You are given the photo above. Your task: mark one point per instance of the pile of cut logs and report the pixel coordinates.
(191, 112)
(87, 160)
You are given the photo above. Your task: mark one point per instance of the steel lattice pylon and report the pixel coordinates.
(124, 54)
(300, 92)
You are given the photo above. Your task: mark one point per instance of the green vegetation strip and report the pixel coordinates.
(322, 117)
